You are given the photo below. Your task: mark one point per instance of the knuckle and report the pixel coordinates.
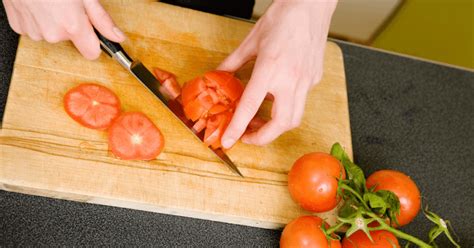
(283, 125)
(73, 27)
(295, 124)
(52, 37)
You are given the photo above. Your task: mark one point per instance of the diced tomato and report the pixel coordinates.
(215, 128)
(212, 97)
(133, 136)
(92, 105)
(192, 89)
(170, 85)
(226, 83)
(200, 125)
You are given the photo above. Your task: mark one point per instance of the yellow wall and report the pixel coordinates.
(440, 30)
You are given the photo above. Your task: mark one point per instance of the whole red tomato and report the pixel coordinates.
(382, 239)
(312, 181)
(306, 231)
(402, 186)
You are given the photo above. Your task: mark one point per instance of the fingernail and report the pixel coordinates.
(227, 143)
(119, 33)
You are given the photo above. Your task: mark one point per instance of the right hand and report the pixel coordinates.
(59, 20)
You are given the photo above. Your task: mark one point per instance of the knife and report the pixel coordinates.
(144, 76)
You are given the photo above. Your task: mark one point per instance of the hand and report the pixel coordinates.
(59, 20)
(289, 42)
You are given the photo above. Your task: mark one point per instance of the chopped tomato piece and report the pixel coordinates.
(92, 105)
(133, 136)
(212, 97)
(200, 125)
(215, 128)
(192, 89)
(170, 86)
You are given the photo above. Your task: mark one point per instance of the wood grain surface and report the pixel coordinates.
(44, 152)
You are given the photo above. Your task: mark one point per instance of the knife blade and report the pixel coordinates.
(144, 76)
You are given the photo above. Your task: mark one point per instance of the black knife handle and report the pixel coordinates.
(109, 46)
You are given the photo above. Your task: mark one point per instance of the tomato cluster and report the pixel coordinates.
(314, 182)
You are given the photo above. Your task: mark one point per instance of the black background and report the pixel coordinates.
(409, 115)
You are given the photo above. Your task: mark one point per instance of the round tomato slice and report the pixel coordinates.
(92, 105)
(381, 239)
(134, 137)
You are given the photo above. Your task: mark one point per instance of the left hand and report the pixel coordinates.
(289, 42)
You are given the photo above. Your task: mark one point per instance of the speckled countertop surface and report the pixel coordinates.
(405, 114)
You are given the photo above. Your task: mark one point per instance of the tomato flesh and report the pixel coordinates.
(402, 186)
(306, 231)
(92, 105)
(312, 181)
(133, 136)
(381, 239)
(171, 87)
(211, 99)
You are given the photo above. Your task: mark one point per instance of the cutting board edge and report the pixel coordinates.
(108, 202)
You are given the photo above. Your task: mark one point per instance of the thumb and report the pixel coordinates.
(246, 50)
(102, 21)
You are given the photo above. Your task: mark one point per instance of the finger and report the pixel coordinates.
(249, 103)
(85, 39)
(30, 26)
(299, 107)
(246, 51)
(102, 21)
(13, 17)
(280, 122)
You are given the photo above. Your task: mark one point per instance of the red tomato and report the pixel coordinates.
(312, 181)
(382, 239)
(210, 100)
(171, 87)
(134, 137)
(92, 105)
(306, 231)
(402, 186)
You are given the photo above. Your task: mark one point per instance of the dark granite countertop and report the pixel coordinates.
(406, 114)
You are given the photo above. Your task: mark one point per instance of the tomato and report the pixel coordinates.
(306, 231)
(210, 101)
(313, 179)
(402, 186)
(92, 105)
(171, 87)
(134, 137)
(381, 238)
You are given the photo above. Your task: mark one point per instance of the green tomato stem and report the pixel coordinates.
(398, 233)
(332, 229)
(356, 194)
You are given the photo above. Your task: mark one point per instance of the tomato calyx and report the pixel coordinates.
(368, 210)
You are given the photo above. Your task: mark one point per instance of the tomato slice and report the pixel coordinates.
(92, 105)
(133, 136)
(171, 87)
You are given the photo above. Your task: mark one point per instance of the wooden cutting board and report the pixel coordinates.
(44, 152)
